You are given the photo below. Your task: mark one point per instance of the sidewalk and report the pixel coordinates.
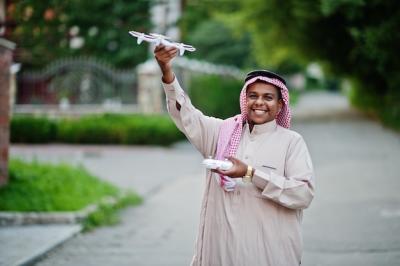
(353, 220)
(23, 245)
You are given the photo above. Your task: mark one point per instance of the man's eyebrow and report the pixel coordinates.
(267, 93)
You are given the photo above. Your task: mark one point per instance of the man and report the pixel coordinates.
(251, 214)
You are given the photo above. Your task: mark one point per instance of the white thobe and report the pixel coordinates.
(259, 223)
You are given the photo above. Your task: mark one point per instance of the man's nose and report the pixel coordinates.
(259, 100)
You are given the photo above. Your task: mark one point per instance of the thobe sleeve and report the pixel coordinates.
(202, 131)
(294, 190)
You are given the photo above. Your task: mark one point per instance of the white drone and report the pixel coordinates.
(161, 39)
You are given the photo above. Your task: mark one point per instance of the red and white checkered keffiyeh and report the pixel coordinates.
(231, 129)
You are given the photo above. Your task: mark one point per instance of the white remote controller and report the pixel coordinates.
(214, 164)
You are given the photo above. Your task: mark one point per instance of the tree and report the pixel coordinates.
(352, 38)
(50, 29)
(216, 43)
(215, 40)
(6, 48)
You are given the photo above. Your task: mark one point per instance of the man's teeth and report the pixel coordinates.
(259, 112)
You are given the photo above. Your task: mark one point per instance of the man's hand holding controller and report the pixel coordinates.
(231, 167)
(217, 164)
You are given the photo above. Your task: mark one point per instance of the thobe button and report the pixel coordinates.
(246, 157)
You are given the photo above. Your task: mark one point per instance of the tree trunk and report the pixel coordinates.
(5, 63)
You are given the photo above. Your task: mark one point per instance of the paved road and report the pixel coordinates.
(354, 219)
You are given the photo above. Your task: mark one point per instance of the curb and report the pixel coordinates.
(42, 252)
(69, 217)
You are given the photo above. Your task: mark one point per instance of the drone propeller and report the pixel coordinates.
(181, 48)
(159, 38)
(189, 47)
(142, 37)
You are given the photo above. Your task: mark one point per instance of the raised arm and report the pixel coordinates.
(202, 131)
(164, 56)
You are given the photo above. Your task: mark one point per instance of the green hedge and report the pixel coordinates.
(96, 129)
(33, 129)
(121, 129)
(216, 96)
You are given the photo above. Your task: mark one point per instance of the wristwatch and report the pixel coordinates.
(249, 175)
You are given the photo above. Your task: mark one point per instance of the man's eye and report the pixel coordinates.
(252, 96)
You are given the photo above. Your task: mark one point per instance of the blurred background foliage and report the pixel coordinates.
(225, 93)
(47, 30)
(353, 39)
(216, 41)
(356, 40)
(132, 129)
(221, 90)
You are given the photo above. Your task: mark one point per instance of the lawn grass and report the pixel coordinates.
(44, 187)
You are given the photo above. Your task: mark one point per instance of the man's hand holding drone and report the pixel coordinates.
(164, 52)
(164, 55)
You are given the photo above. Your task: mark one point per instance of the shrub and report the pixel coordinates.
(97, 129)
(32, 129)
(121, 129)
(216, 96)
(91, 129)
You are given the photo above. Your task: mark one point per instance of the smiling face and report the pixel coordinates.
(263, 103)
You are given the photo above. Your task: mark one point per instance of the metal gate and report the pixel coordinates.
(76, 85)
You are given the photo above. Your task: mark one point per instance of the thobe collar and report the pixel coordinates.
(262, 128)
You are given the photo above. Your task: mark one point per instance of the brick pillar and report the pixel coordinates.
(6, 48)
